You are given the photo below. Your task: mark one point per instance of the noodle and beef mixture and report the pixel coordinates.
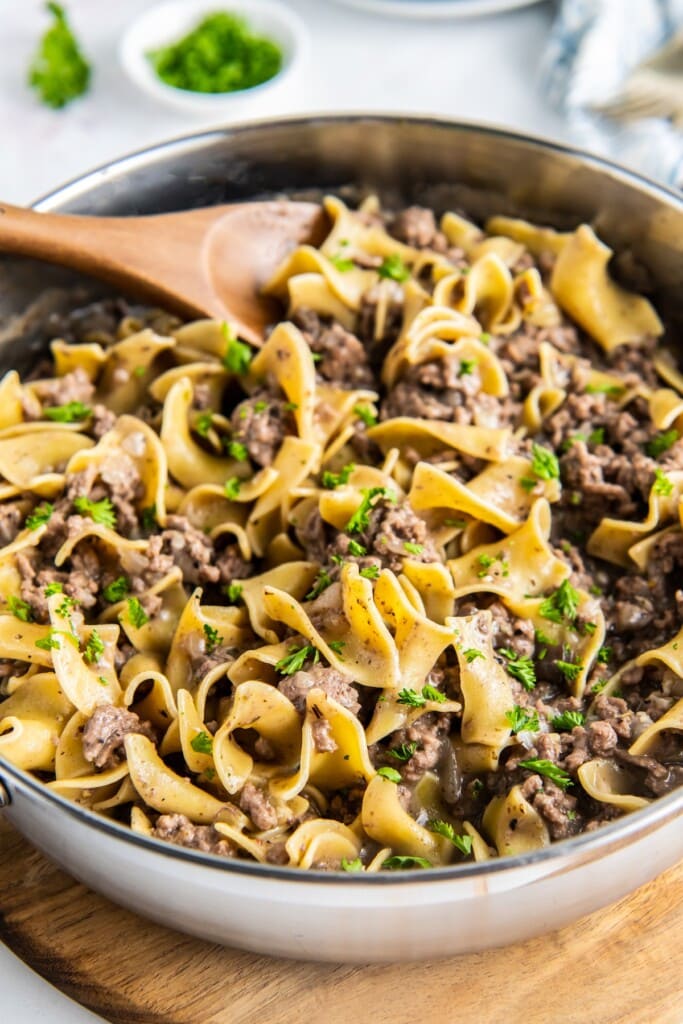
(401, 589)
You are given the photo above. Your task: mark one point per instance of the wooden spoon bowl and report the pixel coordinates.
(212, 261)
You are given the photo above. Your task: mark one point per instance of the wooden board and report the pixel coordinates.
(619, 966)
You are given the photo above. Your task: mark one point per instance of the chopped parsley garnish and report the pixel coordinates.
(342, 263)
(520, 667)
(360, 519)
(412, 548)
(541, 637)
(459, 524)
(102, 681)
(237, 450)
(466, 367)
(49, 642)
(611, 390)
(522, 720)
(397, 863)
(394, 268)
(117, 590)
(137, 615)
(357, 549)
(528, 483)
(569, 669)
(238, 355)
(389, 773)
(599, 686)
(567, 721)
(351, 865)
(588, 628)
(296, 659)
(148, 517)
(53, 588)
(202, 743)
(370, 572)
(317, 357)
(59, 72)
(471, 654)
(39, 516)
(431, 693)
(412, 698)
(101, 512)
(331, 480)
(595, 590)
(233, 592)
(445, 829)
(571, 440)
(661, 443)
(366, 414)
(203, 423)
(337, 646)
(322, 581)
(139, 371)
(662, 485)
(551, 771)
(66, 606)
(562, 605)
(597, 436)
(212, 638)
(260, 406)
(404, 752)
(544, 463)
(485, 338)
(232, 488)
(94, 649)
(20, 609)
(604, 655)
(69, 413)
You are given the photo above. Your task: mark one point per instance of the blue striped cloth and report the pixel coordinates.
(593, 47)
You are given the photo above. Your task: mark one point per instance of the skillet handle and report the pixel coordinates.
(5, 799)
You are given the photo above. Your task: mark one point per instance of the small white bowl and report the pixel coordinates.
(170, 22)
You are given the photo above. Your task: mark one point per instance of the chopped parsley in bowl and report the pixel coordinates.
(222, 54)
(204, 56)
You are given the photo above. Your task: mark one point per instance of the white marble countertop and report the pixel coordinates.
(481, 69)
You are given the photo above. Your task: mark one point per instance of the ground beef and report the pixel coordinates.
(72, 387)
(255, 802)
(438, 390)
(178, 829)
(261, 424)
(12, 517)
(391, 526)
(323, 741)
(416, 226)
(102, 421)
(378, 334)
(188, 548)
(557, 808)
(335, 685)
(344, 361)
(104, 732)
(81, 583)
(429, 732)
(231, 565)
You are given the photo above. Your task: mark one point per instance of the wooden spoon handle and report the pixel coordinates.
(130, 252)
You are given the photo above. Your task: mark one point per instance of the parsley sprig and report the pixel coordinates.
(522, 720)
(562, 605)
(520, 667)
(551, 771)
(295, 660)
(69, 413)
(59, 72)
(360, 520)
(101, 512)
(445, 829)
(567, 721)
(39, 516)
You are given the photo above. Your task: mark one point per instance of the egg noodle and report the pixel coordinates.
(376, 595)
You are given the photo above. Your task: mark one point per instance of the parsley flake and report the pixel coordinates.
(238, 355)
(233, 592)
(53, 588)
(569, 669)
(331, 480)
(356, 549)
(137, 616)
(522, 720)
(370, 572)
(20, 609)
(366, 414)
(551, 771)
(567, 721)
(101, 512)
(148, 518)
(661, 443)
(360, 519)
(404, 752)
(662, 485)
(39, 516)
(389, 773)
(212, 638)
(466, 367)
(398, 863)
(394, 268)
(69, 413)
(202, 743)
(604, 655)
(94, 649)
(544, 463)
(49, 642)
(296, 659)
(520, 667)
(445, 829)
(342, 263)
(561, 605)
(237, 450)
(351, 865)
(116, 590)
(231, 488)
(322, 581)
(203, 423)
(471, 654)
(412, 548)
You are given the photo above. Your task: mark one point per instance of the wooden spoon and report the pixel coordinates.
(212, 261)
